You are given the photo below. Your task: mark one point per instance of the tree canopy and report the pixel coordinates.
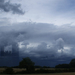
(72, 63)
(27, 63)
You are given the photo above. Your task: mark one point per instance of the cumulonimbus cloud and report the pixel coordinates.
(58, 40)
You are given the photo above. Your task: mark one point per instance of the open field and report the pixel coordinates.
(22, 69)
(51, 74)
(18, 70)
(43, 74)
(15, 69)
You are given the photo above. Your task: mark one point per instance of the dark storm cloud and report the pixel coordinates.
(42, 50)
(8, 7)
(52, 40)
(47, 33)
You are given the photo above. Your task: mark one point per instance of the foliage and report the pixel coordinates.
(62, 66)
(72, 63)
(38, 66)
(8, 70)
(28, 64)
(46, 67)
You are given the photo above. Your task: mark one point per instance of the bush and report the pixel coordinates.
(8, 70)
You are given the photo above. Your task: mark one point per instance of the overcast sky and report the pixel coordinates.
(41, 28)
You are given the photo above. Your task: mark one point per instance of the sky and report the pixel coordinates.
(43, 30)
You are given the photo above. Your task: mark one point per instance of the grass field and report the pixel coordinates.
(15, 69)
(18, 70)
(50, 74)
(43, 74)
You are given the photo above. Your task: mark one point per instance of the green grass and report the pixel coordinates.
(43, 74)
(18, 70)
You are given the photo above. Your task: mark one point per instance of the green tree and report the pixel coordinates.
(62, 66)
(72, 63)
(28, 64)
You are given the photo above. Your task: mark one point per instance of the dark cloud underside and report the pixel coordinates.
(8, 7)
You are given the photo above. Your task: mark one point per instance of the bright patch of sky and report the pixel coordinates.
(58, 12)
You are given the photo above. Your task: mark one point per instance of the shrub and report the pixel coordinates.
(8, 70)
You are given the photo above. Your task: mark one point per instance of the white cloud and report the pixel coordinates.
(57, 12)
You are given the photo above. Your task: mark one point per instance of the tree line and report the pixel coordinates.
(29, 65)
(70, 65)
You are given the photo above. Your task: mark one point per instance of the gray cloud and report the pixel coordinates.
(39, 40)
(44, 49)
(8, 7)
